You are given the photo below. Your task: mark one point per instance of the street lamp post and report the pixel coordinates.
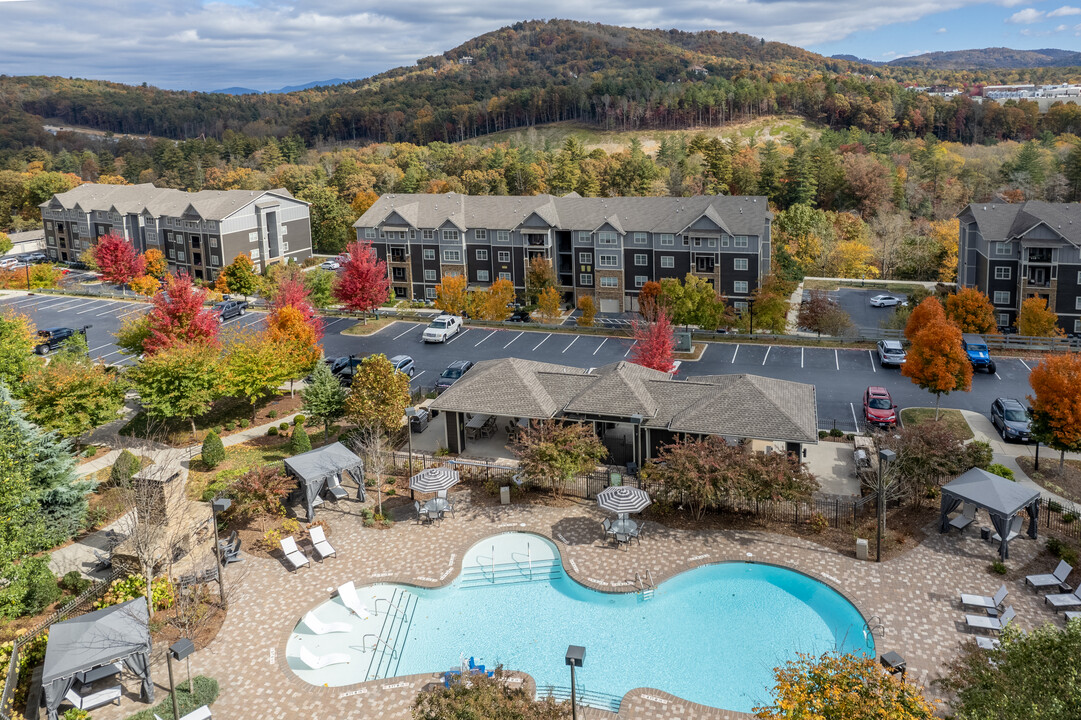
(885, 457)
(410, 413)
(575, 655)
(218, 506)
(180, 650)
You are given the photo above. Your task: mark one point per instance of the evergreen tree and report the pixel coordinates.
(213, 452)
(769, 177)
(301, 443)
(324, 398)
(124, 468)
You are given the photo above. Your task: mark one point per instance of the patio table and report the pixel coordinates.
(92, 676)
(437, 506)
(623, 525)
(474, 425)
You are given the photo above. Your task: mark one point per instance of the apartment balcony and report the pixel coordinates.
(538, 241)
(1031, 282)
(1039, 255)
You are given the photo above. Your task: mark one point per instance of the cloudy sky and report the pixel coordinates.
(266, 44)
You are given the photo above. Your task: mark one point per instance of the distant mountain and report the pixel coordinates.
(855, 59)
(991, 58)
(279, 91)
(235, 91)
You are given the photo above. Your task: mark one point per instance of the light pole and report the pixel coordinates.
(180, 650)
(575, 655)
(885, 457)
(218, 506)
(410, 413)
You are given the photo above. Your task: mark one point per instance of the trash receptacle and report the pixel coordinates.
(985, 534)
(419, 422)
(504, 495)
(861, 548)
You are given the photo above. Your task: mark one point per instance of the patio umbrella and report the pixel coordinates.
(622, 499)
(433, 480)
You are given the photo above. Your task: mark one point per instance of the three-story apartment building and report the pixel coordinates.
(1012, 252)
(198, 233)
(607, 248)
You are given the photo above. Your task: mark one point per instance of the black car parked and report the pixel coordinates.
(50, 339)
(1012, 420)
(449, 376)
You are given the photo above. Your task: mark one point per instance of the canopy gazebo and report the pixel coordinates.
(1002, 499)
(321, 470)
(120, 633)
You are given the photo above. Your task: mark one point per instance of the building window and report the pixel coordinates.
(482, 276)
(740, 305)
(450, 234)
(668, 261)
(504, 276)
(606, 260)
(213, 242)
(1002, 297)
(1077, 325)
(698, 242)
(429, 254)
(503, 256)
(1077, 303)
(180, 257)
(639, 238)
(1004, 319)
(585, 258)
(609, 282)
(452, 256)
(429, 276)
(713, 242)
(641, 259)
(585, 279)
(584, 238)
(1003, 249)
(667, 239)
(429, 293)
(739, 263)
(427, 234)
(480, 234)
(172, 254)
(607, 237)
(640, 280)
(482, 254)
(412, 234)
(1002, 272)
(740, 241)
(502, 236)
(254, 254)
(739, 287)
(253, 236)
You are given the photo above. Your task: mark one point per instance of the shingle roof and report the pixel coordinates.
(742, 215)
(999, 222)
(125, 199)
(741, 406)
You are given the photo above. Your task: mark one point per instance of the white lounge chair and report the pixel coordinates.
(319, 627)
(986, 643)
(334, 487)
(1072, 615)
(1055, 579)
(984, 602)
(966, 518)
(316, 662)
(1015, 529)
(94, 700)
(319, 541)
(1064, 600)
(200, 713)
(995, 624)
(292, 553)
(348, 594)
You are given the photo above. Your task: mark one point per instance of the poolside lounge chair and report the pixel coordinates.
(986, 643)
(1072, 615)
(319, 627)
(996, 624)
(200, 713)
(334, 487)
(1015, 529)
(984, 602)
(292, 554)
(1064, 600)
(348, 594)
(967, 516)
(319, 542)
(317, 662)
(1055, 579)
(94, 700)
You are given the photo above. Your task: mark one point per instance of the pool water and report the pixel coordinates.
(712, 635)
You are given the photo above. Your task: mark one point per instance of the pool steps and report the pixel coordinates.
(600, 700)
(390, 641)
(486, 575)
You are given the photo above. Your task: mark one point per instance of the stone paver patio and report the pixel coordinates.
(916, 596)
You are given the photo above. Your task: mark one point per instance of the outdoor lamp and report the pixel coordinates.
(220, 505)
(575, 655)
(217, 507)
(410, 412)
(180, 650)
(885, 457)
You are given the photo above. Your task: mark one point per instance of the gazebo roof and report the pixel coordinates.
(993, 493)
(316, 465)
(96, 638)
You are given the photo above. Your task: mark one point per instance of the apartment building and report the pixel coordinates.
(1014, 251)
(607, 248)
(199, 233)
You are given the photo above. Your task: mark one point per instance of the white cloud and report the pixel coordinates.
(1064, 11)
(1026, 16)
(941, 31)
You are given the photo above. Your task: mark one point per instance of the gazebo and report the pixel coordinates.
(321, 470)
(96, 639)
(1001, 498)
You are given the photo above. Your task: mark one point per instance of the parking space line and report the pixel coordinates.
(462, 333)
(767, 354)
(854, 420)
(52, 303)
(21, 300)
(486, 337)
(338, 320)
(92, 308)
(81, 304)
(600, 346)
(630, 348)
(111, 309)
(99, 347)
(410, 329)
(418, 375)
(520, 334)
(132, 312)
(256, 321)
(569, 346)
(114, 352)
(998, 376)
(801, 357)
(872, 358)
(1025, 364)
(541, 342)
(735, 353)
(837, 362)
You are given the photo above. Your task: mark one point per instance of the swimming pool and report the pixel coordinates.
(711, 635)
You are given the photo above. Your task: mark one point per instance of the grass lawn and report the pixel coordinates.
(230, 414)
(369, 326)
(911, 417)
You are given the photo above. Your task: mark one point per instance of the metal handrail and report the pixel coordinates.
(375, 606)
(393, 652)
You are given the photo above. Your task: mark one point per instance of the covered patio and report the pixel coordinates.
(320, 473)
(1002, 499)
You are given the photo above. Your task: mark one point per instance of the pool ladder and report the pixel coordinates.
(645, 589)
(872, 625)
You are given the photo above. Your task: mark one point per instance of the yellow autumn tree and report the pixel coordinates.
(852, 259)
(944, 233)
(1037, 320)
(497, 300)
(155, 263)
(145, 285)
(451, 296)
(548, 305)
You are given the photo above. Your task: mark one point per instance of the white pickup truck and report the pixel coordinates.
(443, 328)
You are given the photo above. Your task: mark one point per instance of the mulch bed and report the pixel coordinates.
(1066, 483)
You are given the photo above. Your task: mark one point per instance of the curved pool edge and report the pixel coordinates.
(646, 696)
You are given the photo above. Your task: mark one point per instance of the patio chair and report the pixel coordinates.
(1016, 524)
(607, 525)
(983, 601)
(1063, 600)
(422, 512)
(334, 487)
(637, 533)
(319, 542)
(94, 700)
(966, 518)
(995, 624)
(319, 627)
(104, 559)
(318, 662)
(1055, 579)
(228, 542)
(622, 539)
(986, 643)
(348, 594)
(292, 553)
(200, 713)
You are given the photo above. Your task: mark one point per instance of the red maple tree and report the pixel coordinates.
(653, 343)
(117, 259)
(178, 317)
(292, 293)
(364, 283)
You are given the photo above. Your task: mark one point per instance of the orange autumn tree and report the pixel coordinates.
(450, 295)
(1037, 320)
(145, 285)
(936, 361)
(155, 263)
(926, 313)
(1056, 407)
(971, 310)
(495, 304)
(298, 345)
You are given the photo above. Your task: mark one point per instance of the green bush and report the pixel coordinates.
(272, 414)
(283, 426)
(1062, 550)
(273, 430)
(219, 429)
(133, 586)
(90, 451)
(230, 426)
(837, 432)
(29, 588)
(75, 714)
(998, 568)
(301, 442)
(126, 465)
(244, 422)
(822, 434)
(1000, 470)
(1054, 506)
(74, 582)
(1068, 517)
(213, 450)
(205, 693)
(298, 420)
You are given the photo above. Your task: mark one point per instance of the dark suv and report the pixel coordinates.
(50, 339)
(1011, 419)
(449, 376)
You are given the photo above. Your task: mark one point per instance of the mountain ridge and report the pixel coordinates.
(998, 58)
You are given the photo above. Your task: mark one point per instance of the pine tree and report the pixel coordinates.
(124, 467)
(213, 452)
(324, 398)
(301, 443)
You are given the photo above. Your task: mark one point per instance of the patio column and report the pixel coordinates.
(455, 432)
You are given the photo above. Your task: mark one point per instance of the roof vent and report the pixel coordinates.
(741, 211)
(992, 206)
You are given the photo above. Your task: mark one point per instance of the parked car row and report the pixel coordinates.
(13, 261)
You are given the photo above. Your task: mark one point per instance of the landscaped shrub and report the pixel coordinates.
(1062, 550)
(90, 451)
(133, 586)
(998, 568)
(301, 442)
(230, 426)
(818, 522)
(244, 422)
(75, 714)
(30, 589)
(213, 450)
(822, 434)
(1068, 517)
(283, 426)
(219, 429)
(837, 432)
(273, 430)
(1054, 506)
(125, 465)
(1000, 470)
(298, 420)
(205, 693)
(272, 414)
(74, 582)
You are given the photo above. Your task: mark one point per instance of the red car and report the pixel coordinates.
(878, 407)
